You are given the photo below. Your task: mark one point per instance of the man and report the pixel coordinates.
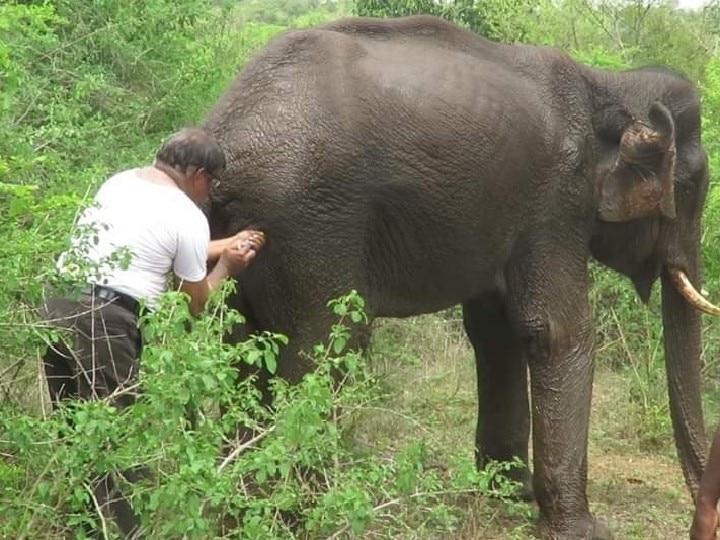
(705, 521)
(150, 214)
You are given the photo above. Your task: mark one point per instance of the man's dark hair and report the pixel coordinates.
(192, 147)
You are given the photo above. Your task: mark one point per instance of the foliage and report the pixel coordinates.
(711, 138)
(485, 17)
(635, 32)
(289, 474)
(289, 12)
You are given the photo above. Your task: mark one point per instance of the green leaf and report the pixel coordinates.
(270, 363)
(339, 344)
(253, 357)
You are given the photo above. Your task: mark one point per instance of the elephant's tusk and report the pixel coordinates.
(694, 298)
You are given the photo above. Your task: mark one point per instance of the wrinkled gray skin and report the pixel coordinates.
(425, 167)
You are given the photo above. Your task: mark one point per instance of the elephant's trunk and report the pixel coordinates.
(682, 331)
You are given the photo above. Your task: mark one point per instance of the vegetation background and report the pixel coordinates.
(88, 87)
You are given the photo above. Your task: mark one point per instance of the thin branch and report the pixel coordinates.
(234, 454)
(18, 121)
(96, 504)
(593, 15)
(237, 451)
(11, 367)
(48, 55)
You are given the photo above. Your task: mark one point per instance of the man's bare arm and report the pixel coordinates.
(231, 261)
(705, 520)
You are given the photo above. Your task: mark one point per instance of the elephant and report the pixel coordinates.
(426, 167)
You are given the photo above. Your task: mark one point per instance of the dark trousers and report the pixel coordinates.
(96, 359)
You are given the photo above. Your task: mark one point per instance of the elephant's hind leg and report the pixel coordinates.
(503, 427)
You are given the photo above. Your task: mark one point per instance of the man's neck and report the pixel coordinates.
(170, 173)
(182, 181)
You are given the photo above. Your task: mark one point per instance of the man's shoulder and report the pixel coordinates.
(186, 214)
(116, 183)
(122, 176)
(182, 203)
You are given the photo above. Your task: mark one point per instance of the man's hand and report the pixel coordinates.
(245, 246)
(249, 238)
(705, 520)
(255, 239)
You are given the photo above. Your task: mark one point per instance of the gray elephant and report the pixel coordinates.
(426, 166)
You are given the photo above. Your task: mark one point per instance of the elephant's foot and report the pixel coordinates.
(585, 529)
(522, 476)
(524, 491)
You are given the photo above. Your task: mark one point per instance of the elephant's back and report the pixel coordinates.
(396, 155)
(355, 97)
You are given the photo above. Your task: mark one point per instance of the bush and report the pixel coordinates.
(290, 476)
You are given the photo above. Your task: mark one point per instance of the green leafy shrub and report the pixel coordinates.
(290, 475)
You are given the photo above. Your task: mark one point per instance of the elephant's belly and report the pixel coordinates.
(426, 288)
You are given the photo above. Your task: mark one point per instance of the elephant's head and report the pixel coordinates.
(652, 179)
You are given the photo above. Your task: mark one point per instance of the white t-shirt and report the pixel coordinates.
(157, 225)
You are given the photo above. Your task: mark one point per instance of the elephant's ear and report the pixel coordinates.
(641, 181)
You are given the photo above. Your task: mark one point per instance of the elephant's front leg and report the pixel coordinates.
(552, 318)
